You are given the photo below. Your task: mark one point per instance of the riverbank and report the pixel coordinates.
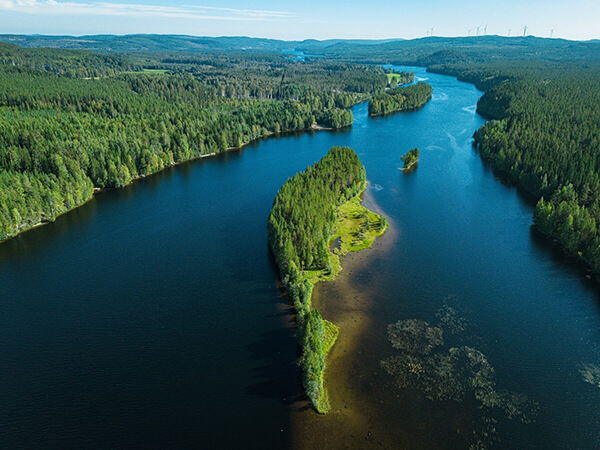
(96, 190)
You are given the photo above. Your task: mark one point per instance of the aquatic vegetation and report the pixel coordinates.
(457, 373)
(590, 374)
(450, 320)
(414, 336)
(518, 406)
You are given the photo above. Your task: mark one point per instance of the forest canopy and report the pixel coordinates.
(75, 121)
(404, 98)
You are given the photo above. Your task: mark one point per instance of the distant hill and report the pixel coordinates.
(442, 50)
(422, 51)
(173, 43)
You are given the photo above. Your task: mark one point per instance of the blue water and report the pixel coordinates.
(299, 55)
(152, 315)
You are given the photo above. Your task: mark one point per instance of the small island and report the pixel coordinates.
(406, 98)
(311, 211)
(410, 159)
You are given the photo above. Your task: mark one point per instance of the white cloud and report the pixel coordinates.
(67, 8)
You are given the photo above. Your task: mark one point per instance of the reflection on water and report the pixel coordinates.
(458, 373)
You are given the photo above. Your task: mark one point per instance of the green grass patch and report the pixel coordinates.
(391, 77)
(330, 334)
(357, 227)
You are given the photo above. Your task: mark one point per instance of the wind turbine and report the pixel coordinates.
(509, 32)
(485, 29)
(551, 33)
(525, 30)
(470, 29)
(478, 30)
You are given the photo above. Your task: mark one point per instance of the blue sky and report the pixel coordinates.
(574, 19)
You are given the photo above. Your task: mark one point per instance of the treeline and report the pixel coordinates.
(67, 63)
(400, 99)
(545, 133)
(301, 220)
(62, 136)
(266, 76)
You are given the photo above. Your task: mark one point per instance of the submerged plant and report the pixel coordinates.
(456, 373)
(590, 374)
(414, 336)
(450, 320)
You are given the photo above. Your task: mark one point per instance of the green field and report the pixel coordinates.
(391, 77)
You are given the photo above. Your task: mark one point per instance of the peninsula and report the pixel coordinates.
(404, 98)
(311, 211)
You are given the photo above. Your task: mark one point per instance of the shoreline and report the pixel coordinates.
(97, 190)
(47, 222)
(410, 167)
(529, 195)
(396, 111)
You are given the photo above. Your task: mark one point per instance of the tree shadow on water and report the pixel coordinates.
(279, 376)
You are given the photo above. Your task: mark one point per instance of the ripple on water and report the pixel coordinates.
(470, 109)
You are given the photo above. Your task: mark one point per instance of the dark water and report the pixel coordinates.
(151, 316)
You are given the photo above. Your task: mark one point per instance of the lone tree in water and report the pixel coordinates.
(410, 158)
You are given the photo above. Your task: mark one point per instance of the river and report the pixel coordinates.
(152, 315)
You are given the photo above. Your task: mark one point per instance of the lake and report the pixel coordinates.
(152, 315)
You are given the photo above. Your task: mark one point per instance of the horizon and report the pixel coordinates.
(294, 40)
(288, 21)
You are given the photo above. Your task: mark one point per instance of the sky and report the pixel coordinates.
(305, 19)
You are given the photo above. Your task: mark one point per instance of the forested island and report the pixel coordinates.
(404, 98)
(410, 159)
(310, 211)
(73, 121)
